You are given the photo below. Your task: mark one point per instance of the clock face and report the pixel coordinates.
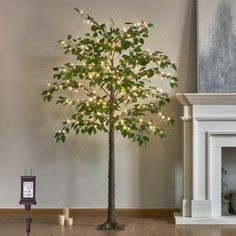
(28, 189)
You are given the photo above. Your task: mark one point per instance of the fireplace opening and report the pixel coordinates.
(228, 181)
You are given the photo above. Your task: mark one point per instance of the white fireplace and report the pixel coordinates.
(209, 124)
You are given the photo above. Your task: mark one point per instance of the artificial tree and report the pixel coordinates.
(111, 86)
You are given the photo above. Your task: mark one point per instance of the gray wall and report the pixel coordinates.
(75, 173)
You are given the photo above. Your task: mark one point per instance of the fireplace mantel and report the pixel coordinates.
(209, 123)
(206, 98)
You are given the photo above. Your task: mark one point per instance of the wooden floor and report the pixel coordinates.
(14, 226)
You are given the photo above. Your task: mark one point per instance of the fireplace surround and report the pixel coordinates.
(209, 124)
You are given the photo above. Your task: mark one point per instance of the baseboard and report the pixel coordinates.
(95, 212)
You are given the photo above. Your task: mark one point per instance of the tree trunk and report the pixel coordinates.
(111, 223)
(111, 215)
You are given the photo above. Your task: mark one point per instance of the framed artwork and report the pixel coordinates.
(216, 46)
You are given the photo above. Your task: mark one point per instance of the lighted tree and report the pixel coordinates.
(110, 86)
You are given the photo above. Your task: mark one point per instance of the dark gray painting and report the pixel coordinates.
(217, 45)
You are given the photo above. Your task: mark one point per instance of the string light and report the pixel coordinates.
(136, 91)
(152, 128)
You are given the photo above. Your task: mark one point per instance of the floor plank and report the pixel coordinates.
(47, 226)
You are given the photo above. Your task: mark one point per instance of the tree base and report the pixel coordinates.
(111, 226)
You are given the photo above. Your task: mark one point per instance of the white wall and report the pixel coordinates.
(75, 173)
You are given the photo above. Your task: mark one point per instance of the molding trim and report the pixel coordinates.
(94, 212)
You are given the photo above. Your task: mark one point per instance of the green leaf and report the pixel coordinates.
(94, 28)
(44, 92)
(49, 97)
(128, 76)
(145, 138)
(76, 9)
(66, 51)
(58, 139)
(174, 66)
(125, 44)
(150, 25)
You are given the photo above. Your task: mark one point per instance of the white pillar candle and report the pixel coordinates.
(66, 213)
(61, 220)
(70, 221)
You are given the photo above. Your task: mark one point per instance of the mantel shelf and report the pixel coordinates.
(206, 98)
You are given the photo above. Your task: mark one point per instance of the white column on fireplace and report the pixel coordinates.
(209, 123)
